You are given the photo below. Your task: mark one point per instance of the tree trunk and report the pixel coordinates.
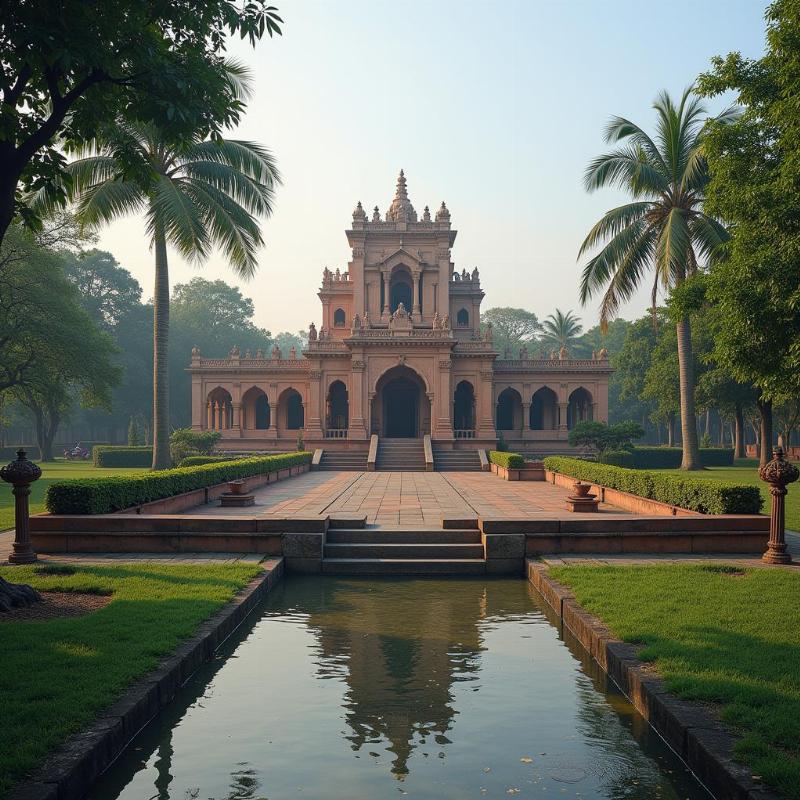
(765, 451)
(691, 450)
(738, 440)
(161, 456)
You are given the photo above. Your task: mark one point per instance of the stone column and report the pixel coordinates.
(236, 419)
(416, 310)
(562, 416)
(526, 418)
(210, 416)
(312, 421)
(197, 403)
(485, 406)
(444, 417)
(356, 422)
(385, 282)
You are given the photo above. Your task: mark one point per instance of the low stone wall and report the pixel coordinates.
(688, 728)
(532, 471)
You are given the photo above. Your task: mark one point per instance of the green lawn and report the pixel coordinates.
(57, 674)
(748, 473)
(52, 471)
(726, 637)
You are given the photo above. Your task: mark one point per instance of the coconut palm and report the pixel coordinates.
(561, 330)
(664, 230)
(196, 195)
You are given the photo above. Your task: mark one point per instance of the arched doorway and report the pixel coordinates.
(337, 407)
(509, 410)
(219, 410)
(290, 410)
(401, 290)
(544, 410)
(256, 412)
(464, 407)
(579, 408)
(400, 409)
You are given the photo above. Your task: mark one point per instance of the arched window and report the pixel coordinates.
(462, 318)
(401, 290)
(338, 318)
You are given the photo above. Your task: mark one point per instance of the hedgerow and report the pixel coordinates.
(109, 455)
(507, 460)
(105, 495)
(196, 461)
(694, 494)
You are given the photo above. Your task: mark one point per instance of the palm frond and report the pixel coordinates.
(105, 202)
(172, 208)
(628, 168)
(627, 276)
(251, 159)
(710, 236)
(612, 223)
(673, 248)
(256, 197)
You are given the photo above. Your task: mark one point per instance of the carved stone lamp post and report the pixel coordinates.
(21, 474)
(777, 473)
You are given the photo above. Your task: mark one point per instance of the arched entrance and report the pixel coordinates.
(509, 410)
(400, 409)
(219, 410)
(464, 407)
(255, 410)
(337, 407)
(580, 407)
(544, 410)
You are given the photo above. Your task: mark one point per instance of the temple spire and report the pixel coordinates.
(401, 209)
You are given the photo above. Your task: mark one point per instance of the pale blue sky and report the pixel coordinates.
(495, 108)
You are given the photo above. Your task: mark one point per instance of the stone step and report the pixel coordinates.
(418, 552)
(406, 536)
(402, 566)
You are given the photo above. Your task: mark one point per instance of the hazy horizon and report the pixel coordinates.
(495, 113)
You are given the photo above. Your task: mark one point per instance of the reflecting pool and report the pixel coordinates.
(363, 688)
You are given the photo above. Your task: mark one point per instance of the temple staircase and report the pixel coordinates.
(343, 461)
(456, 460)
(400, 455)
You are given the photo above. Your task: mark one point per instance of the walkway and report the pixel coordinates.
(405, 498)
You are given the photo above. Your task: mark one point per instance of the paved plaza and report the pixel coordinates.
(410, 499)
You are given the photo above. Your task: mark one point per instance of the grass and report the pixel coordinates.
(57, 674)
(53, 471)
(748, 473)
(720, 635)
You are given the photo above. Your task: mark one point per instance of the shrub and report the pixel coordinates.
(619, 458)
(507, 460)
(105, 495)
(502, 444)
(196, 461)
(670, 457)
(602, 437)
(185, 442)
(695, 494)
(109, 455)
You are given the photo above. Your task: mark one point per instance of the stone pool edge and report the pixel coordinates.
(72, 768)
(701, 742)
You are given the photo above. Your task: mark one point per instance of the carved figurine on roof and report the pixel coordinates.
(312, 332)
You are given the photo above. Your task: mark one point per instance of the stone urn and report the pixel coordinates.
(236, 487)
(581, 489)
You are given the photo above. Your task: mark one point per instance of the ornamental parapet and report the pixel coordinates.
(249, 363)
(553, 364)
(418, 334)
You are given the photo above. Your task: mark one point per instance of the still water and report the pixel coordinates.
(363, 688)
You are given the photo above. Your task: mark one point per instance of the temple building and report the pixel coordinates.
(399, 352)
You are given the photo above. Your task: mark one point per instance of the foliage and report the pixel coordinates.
(511, 328)
(196, 195)
(111, 456)
(755, 174)
(135, 434)
(67, 670)
(561, 330)
(502, 444)
(670, 457)
(185, 442)
(709, 633)
(68, 71)
(665, 228)
(196, 461)
(106, 495)
(695, 494)
(507, 460)
(601, 436)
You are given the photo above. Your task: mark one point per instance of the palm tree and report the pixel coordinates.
(197, 195)
(664, 229)
(560, 329)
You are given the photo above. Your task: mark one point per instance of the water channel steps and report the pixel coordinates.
(380, 551)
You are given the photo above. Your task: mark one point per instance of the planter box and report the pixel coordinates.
(530, 472)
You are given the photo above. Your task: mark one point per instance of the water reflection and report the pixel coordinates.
(426, 688)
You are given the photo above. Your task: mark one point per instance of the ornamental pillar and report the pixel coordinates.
(312, 421)
(415, 311)
(485, 410)
(526, 417)
(778, 473)
(357, 428)
(209, 416)
(236, 417)
(444, 420)
(385, 282)
(562, 416)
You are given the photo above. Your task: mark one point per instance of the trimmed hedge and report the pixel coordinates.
(196, 461)
(105, 495)
(507, 460)
(109, 455)
(670, 457)
(695, 494)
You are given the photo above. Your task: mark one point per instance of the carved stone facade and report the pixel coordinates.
(399, 353)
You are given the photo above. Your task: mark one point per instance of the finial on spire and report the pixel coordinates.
(359, 214)
(443, 215)
(401, 209)
(426, 215)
